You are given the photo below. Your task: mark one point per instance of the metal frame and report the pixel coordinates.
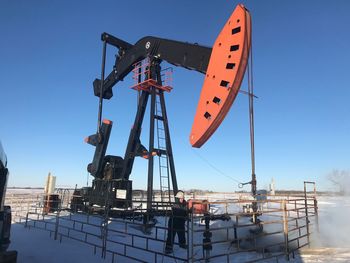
(286, 213)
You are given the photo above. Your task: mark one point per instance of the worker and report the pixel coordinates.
(176, 223)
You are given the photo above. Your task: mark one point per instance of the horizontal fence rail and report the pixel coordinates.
(222, 234)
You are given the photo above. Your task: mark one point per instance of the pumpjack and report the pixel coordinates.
(223, 66)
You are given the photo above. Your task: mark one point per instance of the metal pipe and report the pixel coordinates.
(251, 126)
(306, 215)
(192, 238)
(285, 229)
(101, 86)
(251, 129)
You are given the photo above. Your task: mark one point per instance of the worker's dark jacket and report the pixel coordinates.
(179, 215)
(176, 224)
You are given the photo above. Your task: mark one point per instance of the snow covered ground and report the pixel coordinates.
(36, 246)
(331, 244)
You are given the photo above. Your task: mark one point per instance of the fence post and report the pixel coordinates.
(316, 208)
(307, 215)
(57, 223)
(316, 214)
(26, 224)
(28, 207)
(188, 239)
(192, 233)
(104, 233)
(285, 229)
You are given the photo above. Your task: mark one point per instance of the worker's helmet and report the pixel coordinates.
(180, 195)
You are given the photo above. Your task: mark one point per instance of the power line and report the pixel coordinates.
(214, 167)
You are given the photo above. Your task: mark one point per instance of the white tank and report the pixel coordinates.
(50, 184)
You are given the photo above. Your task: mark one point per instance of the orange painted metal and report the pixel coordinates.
(227, 65)
(142, 70)
(106, 121)
(145, 85)
(146, 156)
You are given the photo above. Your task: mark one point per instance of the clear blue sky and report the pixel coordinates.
(50, 52)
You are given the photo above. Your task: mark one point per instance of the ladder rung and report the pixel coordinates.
(158, 117)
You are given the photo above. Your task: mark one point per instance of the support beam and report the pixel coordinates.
(150, 151)
(134, 136)
(168, 143)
